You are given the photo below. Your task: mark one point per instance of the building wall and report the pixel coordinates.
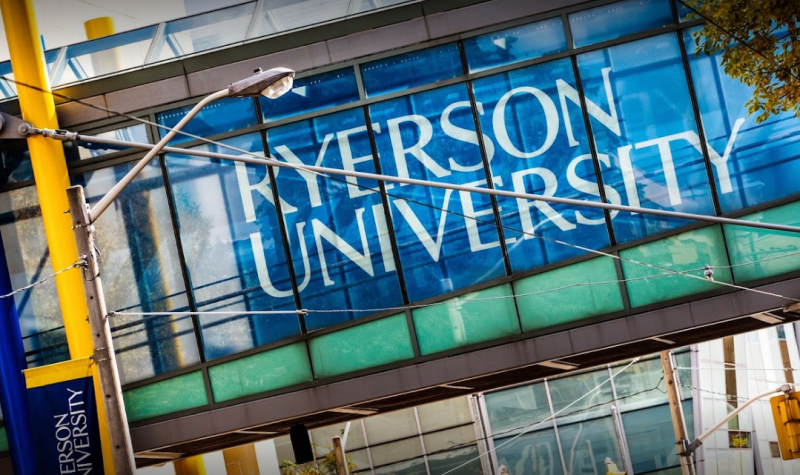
(570, 103)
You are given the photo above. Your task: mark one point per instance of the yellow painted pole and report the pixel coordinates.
(99, 27)
(190, 466)
(52, 180)
(108, 61)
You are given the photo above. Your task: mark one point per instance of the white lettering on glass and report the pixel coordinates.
(499, 122)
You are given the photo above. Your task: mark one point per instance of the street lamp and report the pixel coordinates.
(272, 84)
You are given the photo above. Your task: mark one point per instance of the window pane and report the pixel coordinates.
(447, 413)
(412, 69)
(688, 252)
(566, 294)
(515, 44)
(448, 439)
(649, 132)
(440, 252)
(396, 451)
(566, 391)
(15, 164)
(104, 56)
(291, 14)
(223, 115)
(226, 209)
(777, 252)
(8, 88)
(463, 461)
(513, 410)
(313, 93)
(141, 273)
(472, 318)
(532, 153)
(651, 438)
(28, 261)
(411, 467)
(344, 252)
(587, 444)
(753, 163)
(165, 397)
(360, 347)
(641, 385)
(323, 436)
(274, 369)
(618, 19)
(533, 453)
(403, 424)
(82, 150)
(203, 32)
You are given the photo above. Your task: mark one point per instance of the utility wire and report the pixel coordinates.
(42, 281)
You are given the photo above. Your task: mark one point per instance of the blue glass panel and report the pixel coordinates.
(220, 116)
(535, 452)
(141, 273)
(233, 248)
(617, 20)
(313, 93)
(752, 163)
(7, 88)
(649, 435)
(412, 69)
(531, 152)
(515, 44)
(641, 117)
(341, 250)
(15, 164)
(431, 136)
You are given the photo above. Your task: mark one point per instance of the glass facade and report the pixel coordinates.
(298, 271)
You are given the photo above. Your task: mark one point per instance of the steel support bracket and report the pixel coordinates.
(12, 127)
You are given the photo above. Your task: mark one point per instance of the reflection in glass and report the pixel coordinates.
(102, 56)
(402, 422)
(564, 393)
(587, 444)
(313, 93)
(342, 248)
(531, 152)
(534, 453)
(513, 410)
(223, 115)
(29, 261)
(408, 70)
(83, 150)
(15, 162)
(752, 163)
(603, 23)
(141, 273)
(651, 438)
(516, 44)
(465, 461)
(643, 121)
(431, 136)
(7, 88)
(203, 32)
(233, 249)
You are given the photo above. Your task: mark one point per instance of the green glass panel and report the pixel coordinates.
(267, 371)
(166, 397)
(758, 253)
(562, 296)
(472, 318)
(364, 346)
(3, 440)
(687, 252)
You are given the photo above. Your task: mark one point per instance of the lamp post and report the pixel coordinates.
(273, 84)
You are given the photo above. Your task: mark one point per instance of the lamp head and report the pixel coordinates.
(272, 83)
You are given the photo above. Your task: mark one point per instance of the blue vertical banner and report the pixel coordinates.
(12, 383)
(63, 413)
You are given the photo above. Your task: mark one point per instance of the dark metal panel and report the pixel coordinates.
(149, 95)
(489, 13)
(378, 40)
(73, 113)
(299, 59)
